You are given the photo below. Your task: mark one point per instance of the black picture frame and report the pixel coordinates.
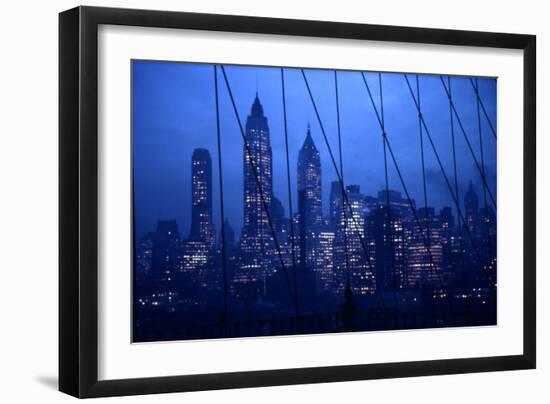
(78, 201)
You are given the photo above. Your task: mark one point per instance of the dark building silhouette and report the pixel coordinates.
(229, 236)
(388, 228)
(471, 209)
(143, 260)
(451, 246)
(334, 203)
(164, 267)
(165, 251)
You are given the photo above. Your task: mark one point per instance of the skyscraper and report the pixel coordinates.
(389, 242)
(309, 201)
(351, 252)
(165, 254)
(310, 213)
(202, 227)
(257, 244)
(325, 260)
(334, 203)
(425, 253)
(309, 180)
(451, 244)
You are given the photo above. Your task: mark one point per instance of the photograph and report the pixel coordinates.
(281, 200)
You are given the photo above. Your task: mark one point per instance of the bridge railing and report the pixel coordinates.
(313, 324)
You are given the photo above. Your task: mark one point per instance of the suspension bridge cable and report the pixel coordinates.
(292, 235)
(422, 159)
(442, 169)
(388, 207)
(482, 158)
(468, 143)
(405, 189)
(423, 165)
(344, 194)
(455, 173)
(476, 91)
(220, 171)
(262, 196)
(344, 211)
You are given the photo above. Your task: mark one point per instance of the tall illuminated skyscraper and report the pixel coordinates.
(202, 227)
(309, 201)
(309, 180)
(310, 214)
(257, 245)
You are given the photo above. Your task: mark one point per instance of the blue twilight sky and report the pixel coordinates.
(173, 112)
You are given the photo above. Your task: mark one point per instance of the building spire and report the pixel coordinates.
(257, 109)
(308, 142)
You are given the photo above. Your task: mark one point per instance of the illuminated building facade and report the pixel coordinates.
(424, 251)
(353, 257)
(202, 227)
(257, 244)
(387, 231)
(309, 202)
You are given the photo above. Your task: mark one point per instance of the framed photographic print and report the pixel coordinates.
(251, 201)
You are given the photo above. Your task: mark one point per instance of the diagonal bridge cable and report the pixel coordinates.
(468, 143)
(482, 154)
(222, 211)
(343, 190)
(344, 211)
(405, 189)
(480, 101)
(455, 173)
(442, 169)
(388, 207)
(292, 235)
(262, 196)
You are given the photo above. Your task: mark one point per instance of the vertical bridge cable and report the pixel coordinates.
(405, 189)
(220, 171)
(422, 159)
(344, 211)
(292, 235)
(470, 148)
(338, 175)
(388, 208)
(455, 173)
(482, 158)
(442, 169)
(480, 101)
(262, 196)
(423, 164)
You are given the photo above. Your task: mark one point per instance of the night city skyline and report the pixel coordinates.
(370, 227)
